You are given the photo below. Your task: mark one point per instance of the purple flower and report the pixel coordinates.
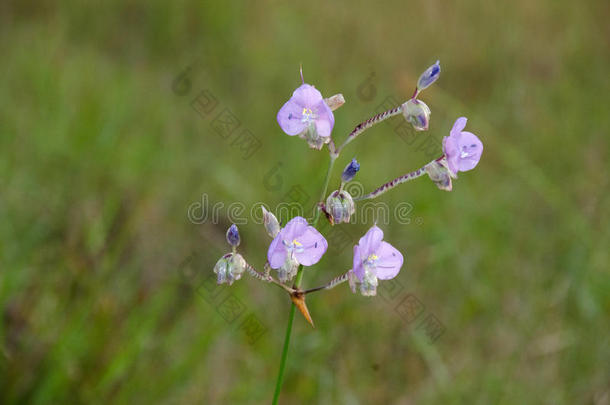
(462, 149)
(374, 259)
(307, 115)
(297, 243)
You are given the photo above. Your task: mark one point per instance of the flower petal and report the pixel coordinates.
(451, 151)
(358, 269)
(276, 255)
(290, 118)
(325, 120)
(307, 96)
(390, 261)
(314, 246)
(294, 228)
(458, 126)
(370, 242)
(470, 150)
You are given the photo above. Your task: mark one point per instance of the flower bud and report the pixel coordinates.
(439, 173)
(417, 113)
(230, 268)
(339, 207)
(335, 101)
(429, 76)
(272, 226)
(233, 236)
(350, 171)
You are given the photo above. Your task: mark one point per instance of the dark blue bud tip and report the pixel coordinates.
(436, 68)
(233, 236)
(350, 170)
(429, 76)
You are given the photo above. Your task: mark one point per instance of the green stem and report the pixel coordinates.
(297, 283)
(324, 188)
(280, 375)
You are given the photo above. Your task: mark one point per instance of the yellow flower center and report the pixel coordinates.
(308, 115)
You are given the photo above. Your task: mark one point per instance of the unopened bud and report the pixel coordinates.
(272, 226)
(340, 207)
(230, 268)
(335, 101)
(417, 113)
(350, 171)
(429, 76)
(233, 236)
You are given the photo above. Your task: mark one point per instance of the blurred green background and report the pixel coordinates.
(103, 276)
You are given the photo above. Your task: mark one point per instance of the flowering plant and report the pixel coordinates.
(299, 244)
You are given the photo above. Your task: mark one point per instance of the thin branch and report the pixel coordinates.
(267, 278)
(391, 184)
(363, 126)
(332, 148)
(331, 284)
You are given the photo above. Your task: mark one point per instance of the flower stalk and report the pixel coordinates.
(331, 284)
(393, 183)
(374, 120)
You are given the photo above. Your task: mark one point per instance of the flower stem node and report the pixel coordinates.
(230, 268)
(417, 113)
(272, 226)
(339, 207)
(298, 298)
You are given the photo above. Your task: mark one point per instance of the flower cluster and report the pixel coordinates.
(299, 244)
